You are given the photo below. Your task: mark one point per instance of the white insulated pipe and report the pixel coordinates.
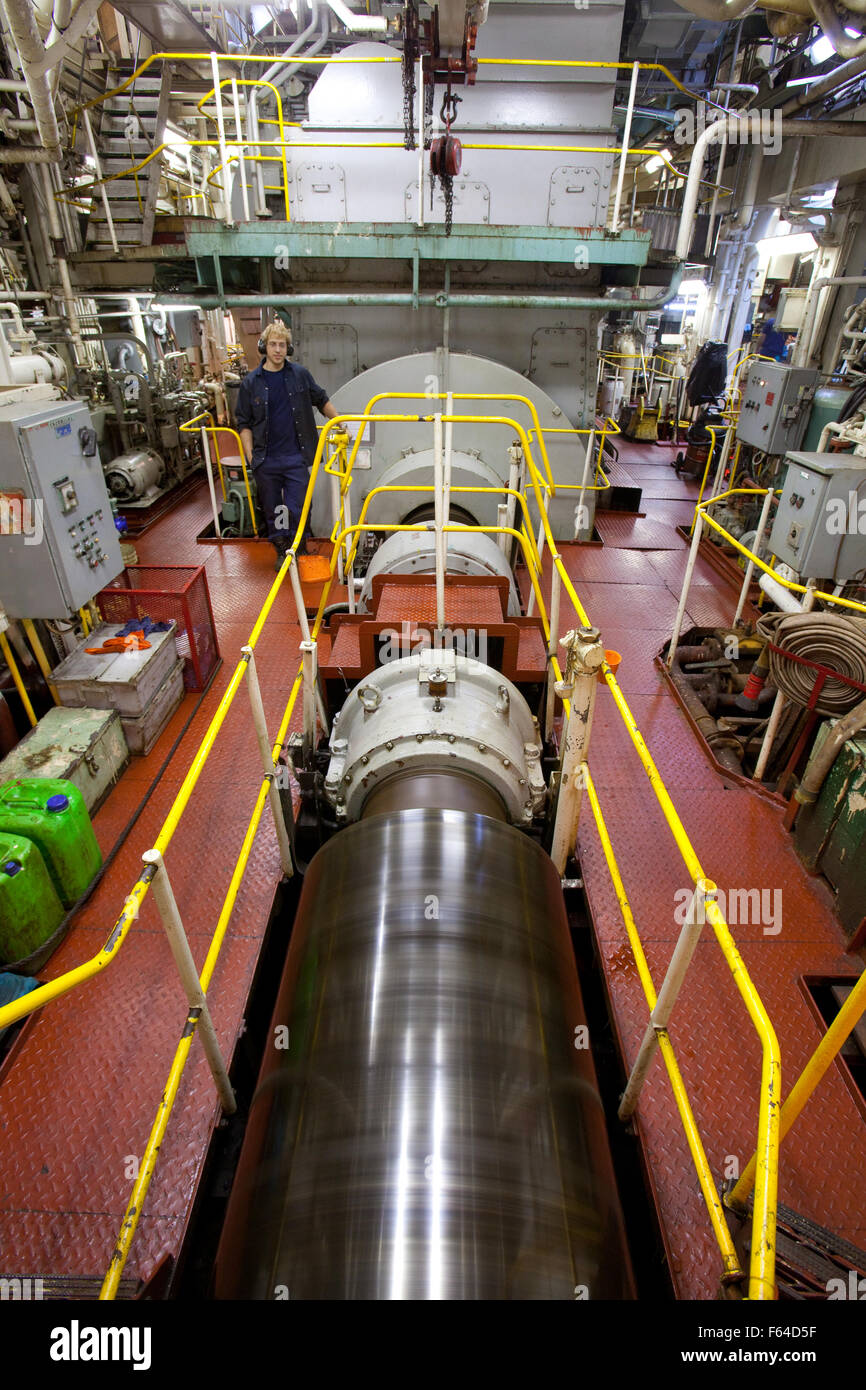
(358, 23)
(728, 125)
(21, 22)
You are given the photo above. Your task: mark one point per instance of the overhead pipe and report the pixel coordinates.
(279, 73)
(831, 83)
(437, 301)
(358, 23)
(21, 22)
(834, 30)
(807, 329)
(721, 12)
(729, 125)
(27, 154)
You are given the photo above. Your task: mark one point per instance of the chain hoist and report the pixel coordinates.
(411, 54)
(446, 156)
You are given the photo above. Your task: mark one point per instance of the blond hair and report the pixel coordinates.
(276, 330)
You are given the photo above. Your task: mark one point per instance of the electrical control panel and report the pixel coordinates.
(775, 404)
(820, 524)
(58, 542)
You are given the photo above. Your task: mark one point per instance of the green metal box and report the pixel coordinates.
(830, 836)
(84, 746)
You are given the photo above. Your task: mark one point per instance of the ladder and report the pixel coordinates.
(132, 125)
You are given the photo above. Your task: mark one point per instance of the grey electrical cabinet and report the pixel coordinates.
(775, 406)
(58, 542)
(820, 524)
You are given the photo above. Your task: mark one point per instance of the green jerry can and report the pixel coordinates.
(30, 910)
(51, 812)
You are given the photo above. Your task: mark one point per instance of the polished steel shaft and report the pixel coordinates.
(432, 1130)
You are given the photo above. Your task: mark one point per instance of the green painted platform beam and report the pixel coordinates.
(580, 247)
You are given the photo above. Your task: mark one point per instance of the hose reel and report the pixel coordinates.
(826, 639)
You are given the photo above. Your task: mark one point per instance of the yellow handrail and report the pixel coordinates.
(750, 554)
(215, 429)
(761, 1261)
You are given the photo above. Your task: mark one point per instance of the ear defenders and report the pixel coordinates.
(263, 351)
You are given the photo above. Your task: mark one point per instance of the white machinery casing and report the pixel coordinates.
(392, 724)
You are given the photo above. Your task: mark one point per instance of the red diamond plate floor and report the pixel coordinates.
(79, 1089)
(81, 1085)
(631, 594)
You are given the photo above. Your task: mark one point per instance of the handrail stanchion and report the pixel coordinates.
(515, 464)
(579, 685)
(265, 748)
(687, 582)
(242, 169)
(198, 1007)
(671, 985)
(553, 643)
(437, 512)
(205, 446)
(539, 549)
(311, 672)
(503, 540)
(221, 131)
(578, 515)
(756, 546)
(305, 627)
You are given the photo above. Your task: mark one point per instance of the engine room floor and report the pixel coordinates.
(631, 594)
(80, 1086)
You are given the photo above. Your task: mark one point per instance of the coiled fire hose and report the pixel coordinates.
(826, 638)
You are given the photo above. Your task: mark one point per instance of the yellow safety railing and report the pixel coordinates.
(256, 145)
(192, 426)
(792, 585)
(761, 1274)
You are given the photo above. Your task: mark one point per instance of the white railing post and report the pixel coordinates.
(676, 973)
(205, 448)
(239, 131)
(261, 728)
(756, 548)
(438, 504)
(681, 608)
(310, 689)
(623, 157)
(579, 685)
(305, 629)
(578, 516)
(177, 940)
(530, 603)
(553, 643)
(103, 190)
(221, 135)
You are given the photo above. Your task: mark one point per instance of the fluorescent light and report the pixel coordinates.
(820, 49)
(794, 245)
(693, 287)
(656, 161)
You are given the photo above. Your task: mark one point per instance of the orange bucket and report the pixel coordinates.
(613, 659)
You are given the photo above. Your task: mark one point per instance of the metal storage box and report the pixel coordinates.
(817, 525)
(125, 681)
(60, 544)
(775, 406)
(142, 732)
(830, 836)
(84, 746)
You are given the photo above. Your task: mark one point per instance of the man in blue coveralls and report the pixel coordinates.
(274, 414)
